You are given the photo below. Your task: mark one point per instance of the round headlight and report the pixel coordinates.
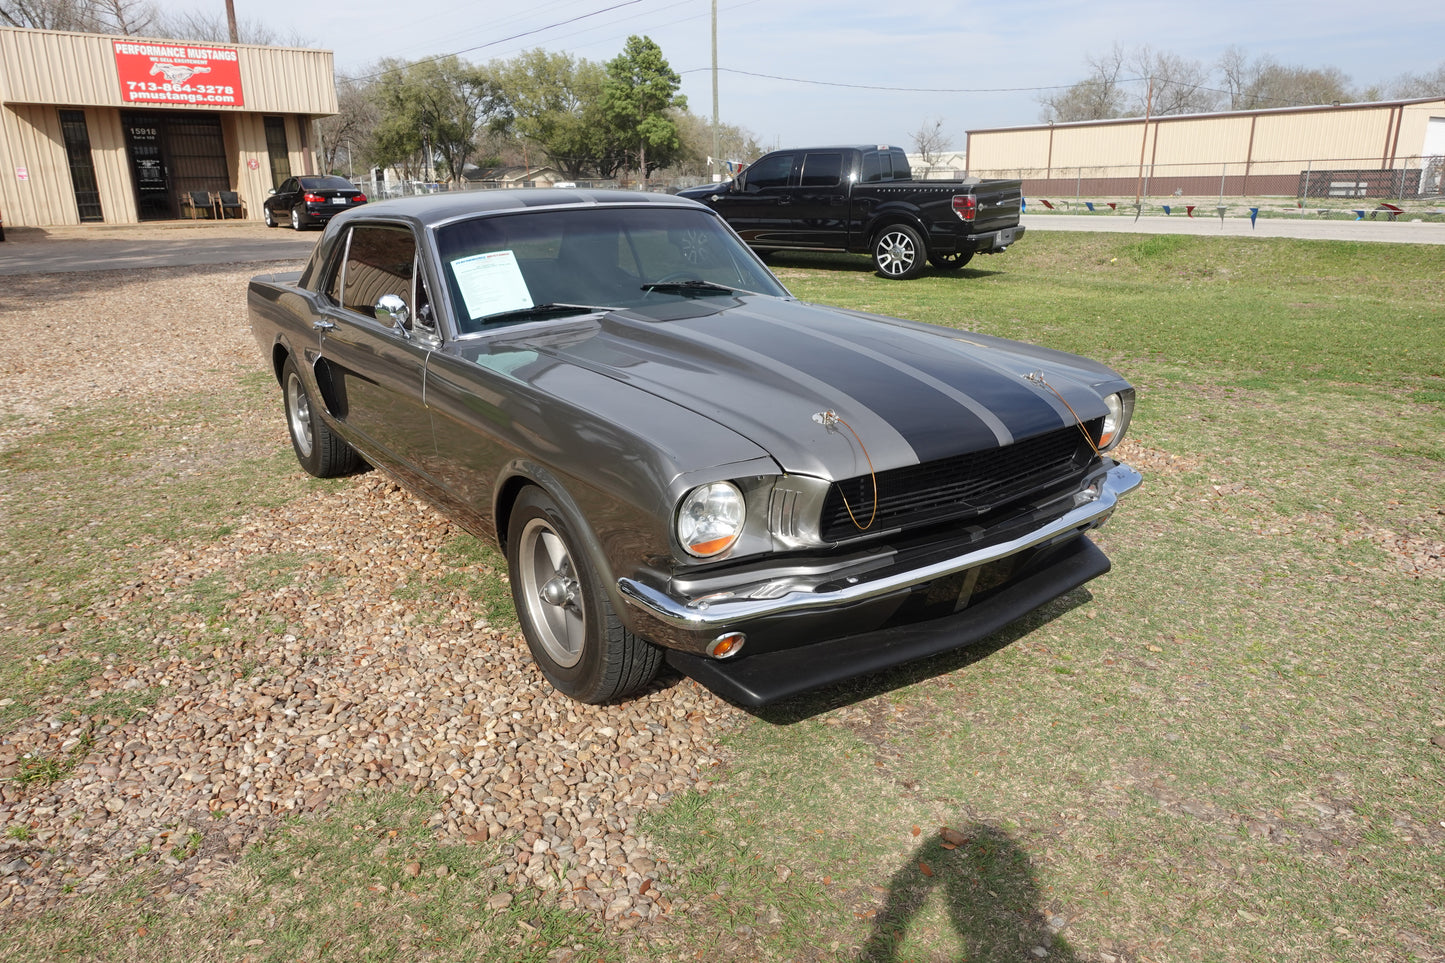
(1114, 422)
(710, 519)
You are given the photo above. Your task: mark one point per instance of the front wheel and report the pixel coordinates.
(950, 262)
(575, 636)
(320, 450)
(898, 253)
(268, 217)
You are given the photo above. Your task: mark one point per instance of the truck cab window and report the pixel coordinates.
(772, 171)
(822, 170)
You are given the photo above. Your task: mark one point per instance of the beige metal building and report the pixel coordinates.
(97, 128)
(1387, 149)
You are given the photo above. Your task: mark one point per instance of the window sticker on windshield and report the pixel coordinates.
(491, 283)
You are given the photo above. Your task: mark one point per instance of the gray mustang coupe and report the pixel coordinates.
(681, 460)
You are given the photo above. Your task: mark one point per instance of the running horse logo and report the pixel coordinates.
(177, 73)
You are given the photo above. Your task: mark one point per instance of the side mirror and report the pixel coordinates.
(271, 191)
(392, 311)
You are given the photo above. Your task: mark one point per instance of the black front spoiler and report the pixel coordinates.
(768, 677)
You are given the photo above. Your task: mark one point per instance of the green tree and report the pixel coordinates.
(637, 93)
(431, 112)
(553, 101)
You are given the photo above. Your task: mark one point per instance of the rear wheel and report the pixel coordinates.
(898, 252)
(320, 450)
(950, 262)
(296, 224)
(575, 636)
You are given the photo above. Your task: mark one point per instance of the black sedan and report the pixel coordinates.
(303, 201)
(680, 460)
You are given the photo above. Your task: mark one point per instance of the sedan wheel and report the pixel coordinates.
(268, 217)
(296, 224)
(320, 450)
(575, 636)
(898, 252)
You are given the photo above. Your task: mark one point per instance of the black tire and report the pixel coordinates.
(320, 450)
(268, 217)
(575, 636)
(898, 253)
(950, 262)
(296, 223)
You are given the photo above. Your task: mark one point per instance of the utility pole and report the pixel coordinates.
(714, 82)
(231, 20)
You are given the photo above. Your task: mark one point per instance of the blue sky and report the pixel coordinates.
(970, 65)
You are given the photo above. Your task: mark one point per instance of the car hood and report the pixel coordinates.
(768, 368)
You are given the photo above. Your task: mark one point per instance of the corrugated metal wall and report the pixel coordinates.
(42, 71)
(1261, 151)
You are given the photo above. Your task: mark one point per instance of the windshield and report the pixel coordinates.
(497, 268)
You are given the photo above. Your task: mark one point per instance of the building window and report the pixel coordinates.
(276, 147)
(82, 165)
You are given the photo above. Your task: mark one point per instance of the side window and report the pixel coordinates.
(379, 260)
(822, 170)
(901, 170)
(772, 171)
(288, 186)
(874, 164)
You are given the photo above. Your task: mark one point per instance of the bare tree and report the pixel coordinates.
(213, 28)
(50, 14)
(1180, 85)
(930, 141)
(1265, 83)
(1099, 97)
(350, 128)
(1408, 86)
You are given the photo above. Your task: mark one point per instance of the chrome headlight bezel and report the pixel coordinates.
(1120, 412)
(710, 519)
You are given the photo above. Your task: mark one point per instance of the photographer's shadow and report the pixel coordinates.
(990, 897)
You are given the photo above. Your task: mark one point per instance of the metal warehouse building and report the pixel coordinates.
(97, 128)
(1387, 149)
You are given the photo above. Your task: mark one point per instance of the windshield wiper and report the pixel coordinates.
(690, 286)
(554, 309)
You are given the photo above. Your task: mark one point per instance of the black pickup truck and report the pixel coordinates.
(864, 199)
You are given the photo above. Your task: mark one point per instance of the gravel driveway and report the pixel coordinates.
(348, 682)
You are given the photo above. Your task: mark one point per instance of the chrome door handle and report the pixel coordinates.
(322, 325)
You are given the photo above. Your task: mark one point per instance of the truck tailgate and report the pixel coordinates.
(999, 205)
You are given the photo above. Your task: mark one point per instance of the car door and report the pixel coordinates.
(819, 202)
(378, 369)
(759, 205)
(285, 196)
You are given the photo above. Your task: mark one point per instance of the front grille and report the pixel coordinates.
(959, 487)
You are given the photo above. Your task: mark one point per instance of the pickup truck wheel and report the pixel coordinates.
(575, 636)
(898, 252)
(950, 262)
(319, 449)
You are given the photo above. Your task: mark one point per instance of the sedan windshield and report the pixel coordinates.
(498, 268)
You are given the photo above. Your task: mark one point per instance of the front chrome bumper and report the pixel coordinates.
(687, 622)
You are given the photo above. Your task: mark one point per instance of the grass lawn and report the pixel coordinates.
(1230, 748)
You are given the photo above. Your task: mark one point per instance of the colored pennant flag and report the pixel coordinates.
(1253, 214)
(1166, 210)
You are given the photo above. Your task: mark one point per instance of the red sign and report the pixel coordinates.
(160, 72)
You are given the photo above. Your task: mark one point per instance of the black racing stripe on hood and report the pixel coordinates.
(1029, 411)
(933, 424)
